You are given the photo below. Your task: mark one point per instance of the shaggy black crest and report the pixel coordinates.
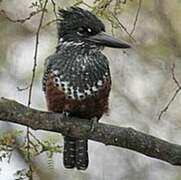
(77, 23)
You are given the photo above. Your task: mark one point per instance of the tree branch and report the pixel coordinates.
(23, 20)
(129, 138)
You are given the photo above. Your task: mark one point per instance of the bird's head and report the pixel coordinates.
(79, 26)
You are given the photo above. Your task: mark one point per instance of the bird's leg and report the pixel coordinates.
(66, 115)
(94, 123)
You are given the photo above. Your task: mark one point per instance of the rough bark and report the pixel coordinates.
(129, 138)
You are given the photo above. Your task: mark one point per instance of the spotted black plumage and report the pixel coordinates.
(77, 78)
(81, 76)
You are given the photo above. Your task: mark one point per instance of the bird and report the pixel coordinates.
(77, 78)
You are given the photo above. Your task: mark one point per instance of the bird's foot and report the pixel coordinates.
(94, 123)
(66, 115)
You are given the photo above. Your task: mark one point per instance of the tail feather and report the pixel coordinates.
(75, 153)
(69, 152)
(82, 159)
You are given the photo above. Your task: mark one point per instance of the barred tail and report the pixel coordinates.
(75, 153)
(82, 159)
(69, 152)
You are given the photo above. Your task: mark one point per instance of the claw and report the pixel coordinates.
(94, 123)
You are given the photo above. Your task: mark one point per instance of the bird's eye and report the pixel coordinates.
(89, 30)
(84, 31)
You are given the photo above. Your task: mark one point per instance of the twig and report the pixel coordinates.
(136, 17)
(22, 89)
(4, 14)
(169, 103)
(129, 138)
(54, 8)
(86, 4)
(53, 20)
(36, 52)
(123, 27)
(32, 80)
(174, 95)
(48, 23)
(174, 77)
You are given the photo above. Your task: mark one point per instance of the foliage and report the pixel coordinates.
(9, 143)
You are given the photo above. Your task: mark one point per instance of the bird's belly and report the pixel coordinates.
(89, 107)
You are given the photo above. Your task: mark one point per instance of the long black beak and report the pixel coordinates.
(106, 40)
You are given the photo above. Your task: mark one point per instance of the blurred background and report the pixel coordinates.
(143, 84)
